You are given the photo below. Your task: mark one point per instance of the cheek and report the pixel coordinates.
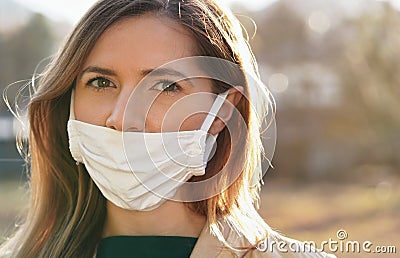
(184, 116)
(154, 120)
(160, 121)
(88, 110)
(193, 122)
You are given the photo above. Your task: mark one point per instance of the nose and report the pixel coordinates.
(125, 116)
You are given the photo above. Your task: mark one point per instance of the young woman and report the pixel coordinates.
(145, 139)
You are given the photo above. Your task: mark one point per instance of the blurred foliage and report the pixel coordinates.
(371, 80)
(338, 118)
(22, 50)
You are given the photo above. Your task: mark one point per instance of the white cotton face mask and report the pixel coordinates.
(137, 170)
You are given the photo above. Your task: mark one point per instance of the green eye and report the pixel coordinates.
(171, 87)
(100, 83)
(166, 86)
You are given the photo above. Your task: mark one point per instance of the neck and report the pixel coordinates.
(170, 219)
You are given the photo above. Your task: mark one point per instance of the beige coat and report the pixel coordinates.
(275, 246)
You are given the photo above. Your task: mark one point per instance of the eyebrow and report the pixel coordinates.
(163, 71)
(96, 69)
(167, 71)
(143, 73)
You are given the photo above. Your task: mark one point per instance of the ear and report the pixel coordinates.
(225, 113)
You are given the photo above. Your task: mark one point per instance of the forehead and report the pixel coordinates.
(143, 42)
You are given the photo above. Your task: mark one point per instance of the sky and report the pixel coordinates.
(72, 10)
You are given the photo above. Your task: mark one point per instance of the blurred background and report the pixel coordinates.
(333, 67)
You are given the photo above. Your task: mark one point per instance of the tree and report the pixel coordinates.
(22, 51)
(371, 80)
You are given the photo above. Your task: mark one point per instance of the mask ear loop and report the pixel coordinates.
(212, 114)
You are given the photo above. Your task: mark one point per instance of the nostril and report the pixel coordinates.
(113, 125)
(110, 124)
(132, 129)
(114, 122)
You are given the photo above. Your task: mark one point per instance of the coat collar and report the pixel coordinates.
(208, 245)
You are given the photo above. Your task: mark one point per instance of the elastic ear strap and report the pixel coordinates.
(214, 111)
(71, 106)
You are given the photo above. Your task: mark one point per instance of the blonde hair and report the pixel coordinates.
(67, 211)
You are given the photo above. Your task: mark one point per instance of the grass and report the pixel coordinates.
(314, 211)
(13, 201)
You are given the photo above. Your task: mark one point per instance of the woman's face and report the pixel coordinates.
(120, 59)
